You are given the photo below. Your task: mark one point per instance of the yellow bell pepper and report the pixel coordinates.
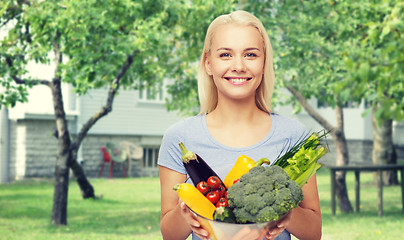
(241, 167)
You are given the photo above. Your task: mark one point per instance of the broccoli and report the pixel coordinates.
(224, 214)
(263, 194)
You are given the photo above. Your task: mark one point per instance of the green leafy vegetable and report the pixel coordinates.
(300, 162)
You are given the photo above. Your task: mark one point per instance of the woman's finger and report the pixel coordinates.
(193, 222)
(279, 227)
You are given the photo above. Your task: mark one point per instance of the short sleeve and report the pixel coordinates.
(170, 155)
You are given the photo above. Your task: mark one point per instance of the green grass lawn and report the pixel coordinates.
(365, 224)
(130, 209)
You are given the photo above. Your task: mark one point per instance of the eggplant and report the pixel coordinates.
(197, 169)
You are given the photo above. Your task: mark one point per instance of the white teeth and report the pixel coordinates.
(238, 80)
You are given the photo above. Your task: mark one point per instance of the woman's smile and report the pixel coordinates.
(238, 80)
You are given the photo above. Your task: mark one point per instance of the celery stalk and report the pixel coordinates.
(300, 162)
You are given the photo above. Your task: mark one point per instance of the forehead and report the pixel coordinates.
(236, 36)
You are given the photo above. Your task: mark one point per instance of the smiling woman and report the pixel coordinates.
(206, 88)
(236, 63)
(235, 85)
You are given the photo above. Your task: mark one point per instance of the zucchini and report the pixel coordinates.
(195, 200)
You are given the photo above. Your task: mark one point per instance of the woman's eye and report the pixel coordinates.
(251, 55)
(224, 55)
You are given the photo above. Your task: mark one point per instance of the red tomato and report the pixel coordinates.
(221, 190)
(203, 187)
(213, 196)
(214, 182)
(222, 202)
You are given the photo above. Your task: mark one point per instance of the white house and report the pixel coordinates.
(28, 147)
(135, 118)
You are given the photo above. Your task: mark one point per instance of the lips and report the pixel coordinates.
(238, 80)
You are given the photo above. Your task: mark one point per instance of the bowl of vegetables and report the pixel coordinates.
(252, 199)
(232, 231)
(254, 204)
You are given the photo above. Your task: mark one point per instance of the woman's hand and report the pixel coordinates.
(279, 227)
(190, 218)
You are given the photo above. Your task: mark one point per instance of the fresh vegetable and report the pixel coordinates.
(203, 187)
(213, 196)
(224, 214)
(263, 194)
(221, 190)
(241, 167)
(197, 169)
(195, 200)
(300, 162)
(213, 189)
(222, 202)
(214, 182)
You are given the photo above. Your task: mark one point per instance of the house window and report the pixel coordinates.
(150, 155)
(146, 94)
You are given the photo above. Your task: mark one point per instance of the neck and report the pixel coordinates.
(243, 111)
(238, 124)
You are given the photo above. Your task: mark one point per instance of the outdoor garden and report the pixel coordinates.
(130, 209)
(340, 54)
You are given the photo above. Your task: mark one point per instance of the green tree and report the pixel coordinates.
(376, 67)
(94, 44)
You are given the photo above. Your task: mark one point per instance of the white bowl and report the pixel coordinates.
(232, 231)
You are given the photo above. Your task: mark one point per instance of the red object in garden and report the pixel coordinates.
(106, 158)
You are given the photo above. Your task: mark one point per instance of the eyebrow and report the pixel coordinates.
(247, 49)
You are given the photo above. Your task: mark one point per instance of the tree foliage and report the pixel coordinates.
(93, 44)
(95, 37)
(339, 51)
(376, 64)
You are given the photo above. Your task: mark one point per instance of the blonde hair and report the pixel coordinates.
(207, 90)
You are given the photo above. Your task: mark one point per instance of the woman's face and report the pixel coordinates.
(236, 61)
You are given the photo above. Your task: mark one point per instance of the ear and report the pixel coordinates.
(208, 66)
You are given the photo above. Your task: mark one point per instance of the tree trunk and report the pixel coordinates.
(383, 151)
(59, 210)
(87, 190)
(340, 143)
(342, 160)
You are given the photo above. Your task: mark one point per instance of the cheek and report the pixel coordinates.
(258, 69)
(218, 69)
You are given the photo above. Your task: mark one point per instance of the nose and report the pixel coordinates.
(238, 65)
